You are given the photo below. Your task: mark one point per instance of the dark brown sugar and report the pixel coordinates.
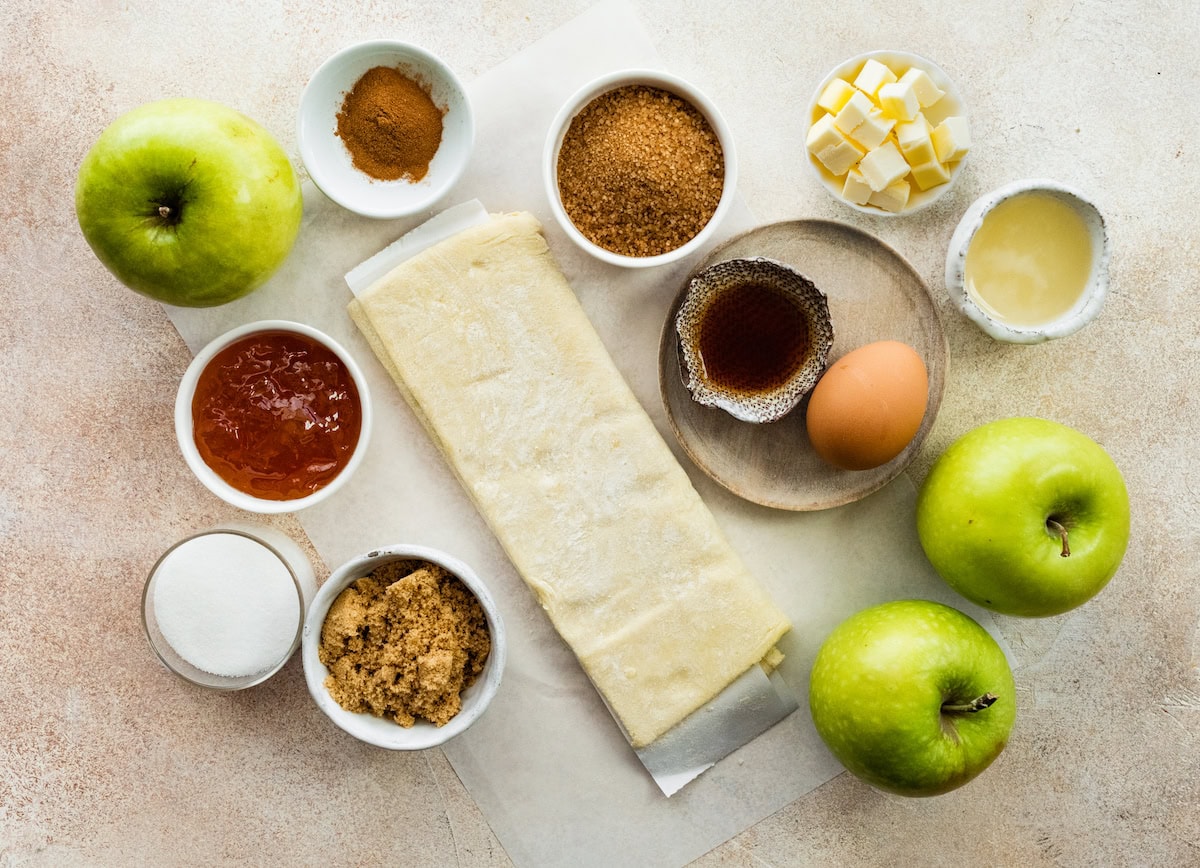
(640, 171)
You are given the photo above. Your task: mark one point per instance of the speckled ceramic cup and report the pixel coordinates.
(1087, 306)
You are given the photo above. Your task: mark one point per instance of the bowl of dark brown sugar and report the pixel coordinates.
(385, 128)
(639, 168)
(403, 647)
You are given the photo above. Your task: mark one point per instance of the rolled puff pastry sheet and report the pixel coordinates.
(490, 347)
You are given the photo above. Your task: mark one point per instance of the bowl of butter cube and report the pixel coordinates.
(887, 133)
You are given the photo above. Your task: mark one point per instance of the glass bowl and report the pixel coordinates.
(180, 616)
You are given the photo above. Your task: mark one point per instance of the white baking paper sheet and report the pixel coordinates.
(547, 766)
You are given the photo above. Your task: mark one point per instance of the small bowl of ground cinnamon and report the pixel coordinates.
(639, 167)
(403, 647)
(385, 128)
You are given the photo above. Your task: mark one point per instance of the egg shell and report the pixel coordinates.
(868, 406)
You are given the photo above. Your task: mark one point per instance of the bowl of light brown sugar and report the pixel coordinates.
(385, 128)
(403, 647)
(639, 167)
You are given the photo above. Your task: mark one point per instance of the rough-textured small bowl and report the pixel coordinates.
(1087, 306)
(625, 78)
(949, 105)
(277, 543)
(723, 276)
(184, 431)
(377, 730)
(325, 155)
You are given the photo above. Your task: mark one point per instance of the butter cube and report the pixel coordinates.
(873, 76)
(951, 139)
(892, 198)
(840, 158)
(927, 92)
(836, 94)
(823, 134)
(899, 100)
(931, 174)
(883, 166)
(853, 113)
(856, 189)
(913, 139)
(872, 131)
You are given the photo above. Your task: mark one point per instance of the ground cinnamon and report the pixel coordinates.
(390, 125)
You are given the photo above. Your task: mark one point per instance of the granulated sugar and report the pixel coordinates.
(226, 604)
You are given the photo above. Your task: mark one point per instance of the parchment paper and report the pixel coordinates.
(551, 773)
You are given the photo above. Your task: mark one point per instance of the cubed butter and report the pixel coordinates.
(873, 76)
(823, 134)
(856, 189)
(927, 92)
(898, 100)
(883, 166)
(836, 94)
(951, 139)
(872, 131)
(911, 131)
(892, 198)
(913, 139)
(930, 175)
(840, 158)
(853, 113)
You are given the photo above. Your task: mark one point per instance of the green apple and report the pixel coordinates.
(188, 201)
(1024, 516)
(913, 697)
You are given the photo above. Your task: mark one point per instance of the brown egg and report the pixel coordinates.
(868, 406)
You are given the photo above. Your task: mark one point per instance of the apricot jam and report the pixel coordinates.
(276, 415)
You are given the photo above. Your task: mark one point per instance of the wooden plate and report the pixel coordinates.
(874, 295)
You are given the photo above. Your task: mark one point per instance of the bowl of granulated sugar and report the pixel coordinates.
(224, 608)
(639, 168)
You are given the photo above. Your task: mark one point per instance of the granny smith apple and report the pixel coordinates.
(1024, 516)
(188, 201)
(913, 697)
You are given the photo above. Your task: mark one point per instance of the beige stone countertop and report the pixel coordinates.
(105, 759)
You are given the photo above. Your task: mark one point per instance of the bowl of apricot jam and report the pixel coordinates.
(273, 416)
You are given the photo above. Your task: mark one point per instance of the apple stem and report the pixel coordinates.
(1062, 532)
(979, 703)
(164, 211)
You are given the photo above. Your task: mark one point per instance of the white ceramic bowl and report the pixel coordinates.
(325, 155)
(377, 730)
(949, 105)
(612, 81)
(206, 475)
(1090, 301)
(276, 544)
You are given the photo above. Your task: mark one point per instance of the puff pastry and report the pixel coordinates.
(490, 347)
